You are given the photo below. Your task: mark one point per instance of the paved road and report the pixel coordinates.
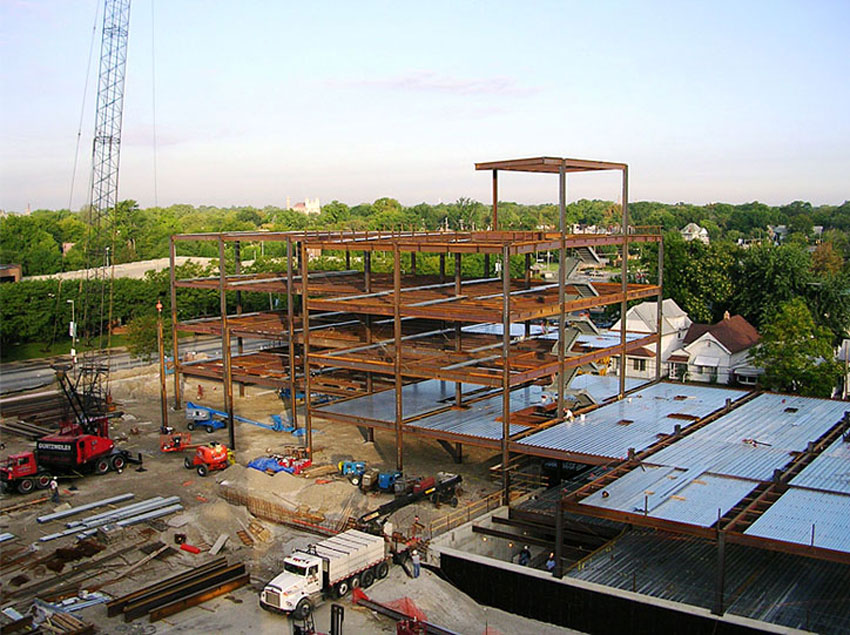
(33, 373)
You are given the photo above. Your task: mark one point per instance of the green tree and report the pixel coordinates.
(825, 260)
(796, 354)
(766, 276)
(142, 337)
(697, 276)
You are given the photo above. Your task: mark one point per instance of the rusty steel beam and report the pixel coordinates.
(305, 319)
(175, 346)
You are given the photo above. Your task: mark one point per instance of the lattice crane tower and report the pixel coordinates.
(93, 371)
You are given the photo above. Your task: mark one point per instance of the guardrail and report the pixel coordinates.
(464, 514)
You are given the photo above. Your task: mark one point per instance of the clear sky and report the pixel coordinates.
(354, 100)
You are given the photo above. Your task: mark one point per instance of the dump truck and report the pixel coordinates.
(327, 569)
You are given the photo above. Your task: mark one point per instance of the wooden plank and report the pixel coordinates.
(219, 544)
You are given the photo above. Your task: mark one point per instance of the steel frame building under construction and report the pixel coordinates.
(354, 333)
(463, 359)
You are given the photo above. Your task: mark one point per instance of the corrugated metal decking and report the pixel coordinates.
(648, 413)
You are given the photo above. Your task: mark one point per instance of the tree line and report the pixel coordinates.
(804, 280)
(36, 240)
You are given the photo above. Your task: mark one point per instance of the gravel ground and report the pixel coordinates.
(206, 516)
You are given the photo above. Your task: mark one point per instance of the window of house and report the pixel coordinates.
(639, 364)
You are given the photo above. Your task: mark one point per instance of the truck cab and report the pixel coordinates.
(21, 472)
(301, 578)
(19, 465)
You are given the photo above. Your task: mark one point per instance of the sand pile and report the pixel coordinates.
(262, 485)
(446, 606)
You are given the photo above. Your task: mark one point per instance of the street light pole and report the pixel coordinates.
(73, 330)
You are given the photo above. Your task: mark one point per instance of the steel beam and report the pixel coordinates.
(175, 346)
(225, 348)
(305, 323)
(399, 438)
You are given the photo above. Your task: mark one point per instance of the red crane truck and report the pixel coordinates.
(82, 445)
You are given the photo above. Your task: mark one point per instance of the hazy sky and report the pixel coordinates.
(354, 100)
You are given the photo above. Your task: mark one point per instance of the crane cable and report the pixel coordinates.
(83, 105)
(153, 103)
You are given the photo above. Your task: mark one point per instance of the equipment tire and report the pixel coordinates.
(302, 609)
(342, 588)
(382, 570)
(118, 462)
(355, 480)
(187, 463)
(453, 502)
(203, 470)
(42, 481)
(26, 485)
(190, 426)
(367, 578)
(101, 466)
(209, 429)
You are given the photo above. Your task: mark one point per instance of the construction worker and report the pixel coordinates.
(54, 490)
(524, 556)
(550, 563)
(414, 558)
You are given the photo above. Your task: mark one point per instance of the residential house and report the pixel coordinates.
(10, 273)
(717, 353)
(692, 231)
(777, 233)
(643, 319)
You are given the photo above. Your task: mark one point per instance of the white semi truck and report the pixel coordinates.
(328, 569)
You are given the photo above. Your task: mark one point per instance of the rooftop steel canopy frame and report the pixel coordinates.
(356, 331)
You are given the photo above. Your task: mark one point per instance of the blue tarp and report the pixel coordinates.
(268, 464)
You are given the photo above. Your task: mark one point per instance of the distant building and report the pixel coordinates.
(692, 231)
(309, 206)
(10, 273)
(777, 233)
(66, 247)
(643, 318)
(718, 353)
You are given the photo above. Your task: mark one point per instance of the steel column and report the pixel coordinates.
(305, 333)
(458, 330)
(399, 439)
(720, 581)
(172, 251)
(624, 272)
(659, 325)
(562, 280)
(506, 372)
(367, 285)
(559, 539)
(290, 321)
(225, 346)
(237, 255)
(495, 202)
(160, 342)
